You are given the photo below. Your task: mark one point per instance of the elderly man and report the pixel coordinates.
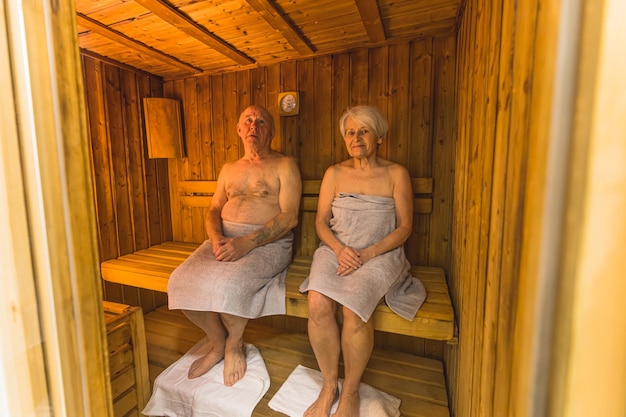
(239, 272)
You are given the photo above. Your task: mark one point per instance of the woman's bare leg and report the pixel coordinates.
(324, 337)
(234, 351)
(357, 342)
(211, 324)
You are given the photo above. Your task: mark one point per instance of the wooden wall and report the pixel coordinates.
(497, 49)
(131, 191)
(411, 82)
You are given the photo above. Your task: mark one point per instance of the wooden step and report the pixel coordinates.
(418, 382)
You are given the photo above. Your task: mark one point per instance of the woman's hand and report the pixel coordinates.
(349, 261)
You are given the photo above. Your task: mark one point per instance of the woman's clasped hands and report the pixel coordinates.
(349, 261)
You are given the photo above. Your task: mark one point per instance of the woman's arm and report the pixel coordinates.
(403, 198)
(347, 257)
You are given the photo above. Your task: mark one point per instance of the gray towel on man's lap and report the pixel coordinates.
(251, 287)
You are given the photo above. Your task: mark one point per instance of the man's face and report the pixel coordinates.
(255, 127)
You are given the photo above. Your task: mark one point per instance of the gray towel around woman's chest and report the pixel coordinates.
(359, 221)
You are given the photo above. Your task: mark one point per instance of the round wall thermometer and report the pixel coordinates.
(288, 103)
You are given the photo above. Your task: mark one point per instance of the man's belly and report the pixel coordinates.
(250, 209)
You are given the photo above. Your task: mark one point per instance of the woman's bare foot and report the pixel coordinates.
(321, 407)
(234, 365)
(204, 364)
(349, 404)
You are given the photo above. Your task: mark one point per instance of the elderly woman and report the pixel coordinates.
(364, 216)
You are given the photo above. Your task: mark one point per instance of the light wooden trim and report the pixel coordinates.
(50, 127)
(268, 11)
(370, 15)
(199, 194)
(590, 285)
(421, 185)
(115, 36)
(195, 200)
(23, 376)
(197, 187)
(168, 13)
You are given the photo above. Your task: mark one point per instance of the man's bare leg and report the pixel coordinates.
(357, 342)
(234, 351)
(211, 324)
(324, 337)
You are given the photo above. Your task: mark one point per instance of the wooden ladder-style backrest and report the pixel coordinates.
(193, 197)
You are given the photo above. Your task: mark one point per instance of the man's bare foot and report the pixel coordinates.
(234, 365)
(349, 404)
(321, 407)
(204, 364)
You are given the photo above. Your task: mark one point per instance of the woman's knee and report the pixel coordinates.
(351, 320)
(320, 307)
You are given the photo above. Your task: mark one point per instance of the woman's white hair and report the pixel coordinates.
(370, 116)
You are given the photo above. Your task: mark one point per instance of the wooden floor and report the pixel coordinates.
(418, 382)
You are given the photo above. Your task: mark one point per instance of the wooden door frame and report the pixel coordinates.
(570, 331)
(52, 359)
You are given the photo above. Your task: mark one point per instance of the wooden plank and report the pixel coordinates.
(379, 82)
(340, 103)
(398, 143)
(133, 123)
(372, 21)
(218, 122)
(306, 121)
(268, 11)
(323, 155)
(125, 404)
(119, 159)
(100, 158)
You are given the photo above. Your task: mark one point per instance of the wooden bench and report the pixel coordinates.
(150, 268)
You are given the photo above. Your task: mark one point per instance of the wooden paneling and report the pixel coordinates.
(496, 51)
(131, 191)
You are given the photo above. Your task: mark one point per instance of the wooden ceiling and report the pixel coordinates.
(181, 38)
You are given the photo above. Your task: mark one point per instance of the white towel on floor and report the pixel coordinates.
(175, 395)
(304, 384)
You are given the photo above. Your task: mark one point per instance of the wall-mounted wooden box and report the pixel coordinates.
(128, 358)
(164, 128)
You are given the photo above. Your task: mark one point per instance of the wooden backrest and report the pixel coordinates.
(198, 194)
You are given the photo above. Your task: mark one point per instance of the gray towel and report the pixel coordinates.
(358, 221)
(251, 287)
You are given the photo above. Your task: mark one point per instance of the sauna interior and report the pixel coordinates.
(455, 79)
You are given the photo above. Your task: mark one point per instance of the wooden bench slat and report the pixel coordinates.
(421, 185)
(308, 203)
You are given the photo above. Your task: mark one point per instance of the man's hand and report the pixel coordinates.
(232, 249)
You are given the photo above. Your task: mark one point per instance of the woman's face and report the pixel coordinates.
(361, 141)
